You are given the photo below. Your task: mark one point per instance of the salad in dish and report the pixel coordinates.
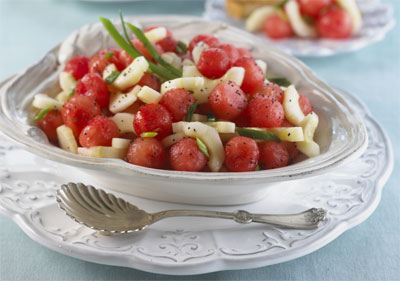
(333, 19)
(160, 103)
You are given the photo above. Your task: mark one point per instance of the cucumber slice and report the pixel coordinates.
(351, 7)
(197, 50)
(121, 101)
(192, 84)
(187, 62)
(292, 134)
(173, 59)
(120, 143)
(256, 19)
(102, 152)
(299, 25)
(291, 106)
(124, 122)
(156, 34)
(172, 139)
(257, 134)
(43, 101)
(63, 96)
(132, 74)
(310, 149)
(67, 81)
(263, 65)
(310, 124)
(222, 126)
(108, 70)
(66, 139)
(148, 95)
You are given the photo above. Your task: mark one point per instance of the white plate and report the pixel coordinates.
(193, 246)
(377, 21)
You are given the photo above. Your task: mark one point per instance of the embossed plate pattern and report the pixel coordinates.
(377, 21)
(194, 246)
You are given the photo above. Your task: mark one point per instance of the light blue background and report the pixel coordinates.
(370, 251)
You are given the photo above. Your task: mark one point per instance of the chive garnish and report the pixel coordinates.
(42, 114)
(257, 134)
(132, 51)
(189, 113)
(281, 4)
(153, 52)
(148, 134)
(202, 147)
(181, 48)
(72, 92)
(211, 117)
(109, 55)
(111, 78)
(280, 81)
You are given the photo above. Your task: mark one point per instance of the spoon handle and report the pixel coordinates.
(308, 219)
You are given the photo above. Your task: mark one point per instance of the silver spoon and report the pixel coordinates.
(104, 212)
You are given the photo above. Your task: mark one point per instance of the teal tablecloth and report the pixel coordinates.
(370, 251)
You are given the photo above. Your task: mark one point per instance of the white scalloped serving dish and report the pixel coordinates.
(377, 21)
(341, 134)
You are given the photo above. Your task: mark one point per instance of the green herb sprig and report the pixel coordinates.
(202, 147)
(148, 134)
(111, 78)
(190, 112)
(181, 48)
(280, 81)
(42, 114)
(153, 52)
(132, 51)
(257, 134)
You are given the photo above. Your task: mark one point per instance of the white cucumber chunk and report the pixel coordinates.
(149, 95)
(156, 34)
(132, 74)
(310, 124)
(43, 101)
(197, 50)
(124, 122)
(63, 96)
(120, 143)
(172, 139)
(256, 19)
(102, 152)
(67, 81)
(66, 139)
(291, 106)
(222, 126)
(108, 70)
(121, 101)
(351, 7)
(173, 59)
(188, 83)
(299, 25)
(310, 149)
(292, 134)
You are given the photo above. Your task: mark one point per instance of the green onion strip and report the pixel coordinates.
(132, 51)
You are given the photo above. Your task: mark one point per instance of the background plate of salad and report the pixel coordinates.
(376, 20)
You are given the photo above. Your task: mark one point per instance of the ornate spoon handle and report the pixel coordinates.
(309, 219)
